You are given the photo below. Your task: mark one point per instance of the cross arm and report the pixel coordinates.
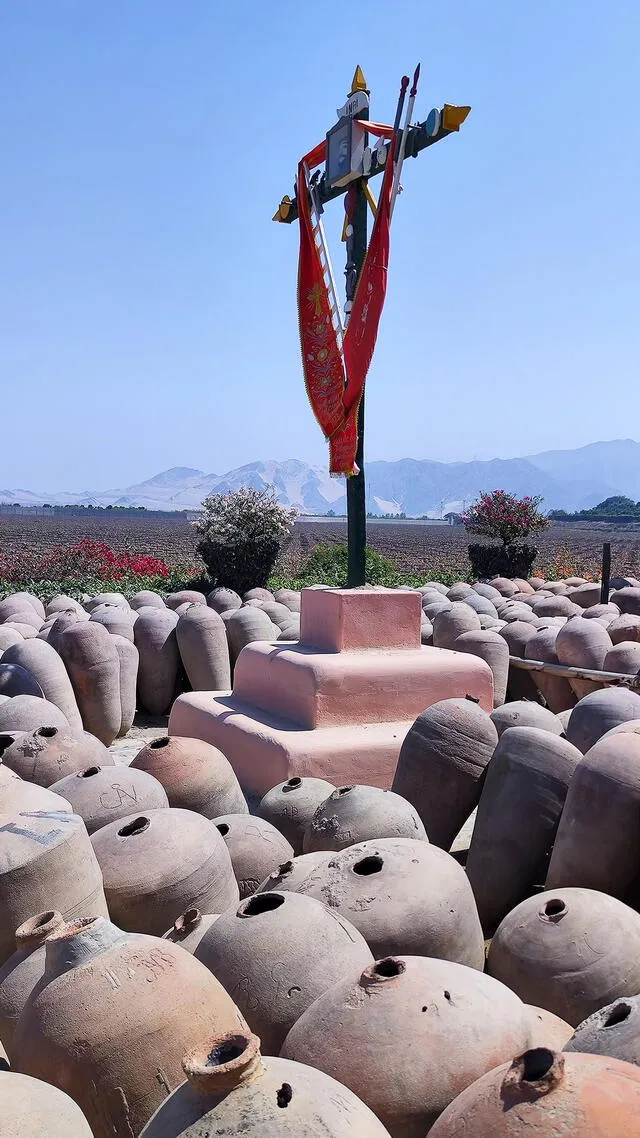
(438, 125)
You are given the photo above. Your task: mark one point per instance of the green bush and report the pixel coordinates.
(240, 536)
(328, 565)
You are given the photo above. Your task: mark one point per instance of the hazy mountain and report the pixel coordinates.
(567, 479)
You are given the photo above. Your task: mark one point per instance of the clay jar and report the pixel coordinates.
(21, 972)
(92, 662)
(525, 713)
(154, 634)
(17, 795)
(557, 691)
(450, 624)
(255, 847)
(403, 896)
(460, 1024)
(49, 754)
(582, 644)
(542, 1093)
(613, 1031)
(356, 813)
(101, 795)
(601, 813)
(46, 859)
(224, 600)
(30, 1108)
(518, 815)
(129, 663)
(442, 764)
(160, 863)
(195, 775)
(16, 680)
(112, 1017)
(624, 629)
(189, 928)
(185, 596)
(146, 599)
(491, 647)
(27, 712)
(44, 664)
(246, 625)
(570, 951)
(202, 641)
(598, 712)
(290, 806)
(232, 1089)
(262, 954)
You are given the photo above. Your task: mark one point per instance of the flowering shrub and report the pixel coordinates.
(240, 536)
(80, 568)
(501, 515)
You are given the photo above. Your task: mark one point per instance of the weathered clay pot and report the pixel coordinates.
(485, 590)
(432, 609)
(570, 951)
(602, 812)
(597, 713)
(93, 665)
(17, 680)
(101, 795)
(459, 590)
(623, 628)
(185, 596)
(112, 1016)
(541, 1093)
(195, 775)
(557, 691)
(45, 859)
(106, 599)
(288, 597)
(30, 1108)
(481, 605)
(155, 638)
(46, 755)
(547, 1030)
(257, 595)
(129, 663)
(202, 641)
(623, 657)
(21, 972)
(442, 764)
(291, 629)
(525, 713)
(290, 806)
(356, 813)
(62, 621)
(258, 953)
(279, 614)
(491, 647)
(160, 863)
(582, 644)
(426, 631)
(232, 1089)
(613, 1031)
(62, 603)
(459, 1022)
(117, 621)
(255, 847)
(224, 600)
(146, 598)
(608, 613)
(27, 712)
(449, 625)
(554, 606)
(35, 602)
(288, 876)
(27, 631)
(189, 928)
(17, 795)
(627, 600)
(504, 586)
(246, 625)
(404, 896)
(21, 612)
(517, 819)
(8, 637)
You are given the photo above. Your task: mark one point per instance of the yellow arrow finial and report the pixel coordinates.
(453, 117)
(283, 209)
(358, 83)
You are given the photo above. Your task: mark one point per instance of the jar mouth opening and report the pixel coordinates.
(388, 968)
(222, 1061)
(157, 744)
(536, 1064)
(187, 920)
(292, 783)
(554, 910)
(46, 732)
(71, 928)
(342, 790)
(39, 927)
(618, 1013)
(260, 903)
(90, 771)
(135, 826)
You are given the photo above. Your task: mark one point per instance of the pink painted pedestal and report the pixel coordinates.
(338, 704)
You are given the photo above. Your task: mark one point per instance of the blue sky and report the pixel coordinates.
(148, 302)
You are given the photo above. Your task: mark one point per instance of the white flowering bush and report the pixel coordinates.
(241, 534)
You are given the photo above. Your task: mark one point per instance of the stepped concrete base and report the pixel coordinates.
(337, 705)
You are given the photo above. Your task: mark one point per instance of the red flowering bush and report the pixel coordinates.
(501, 515)
(80, 568)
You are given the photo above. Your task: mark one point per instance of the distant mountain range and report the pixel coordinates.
(566, 479)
